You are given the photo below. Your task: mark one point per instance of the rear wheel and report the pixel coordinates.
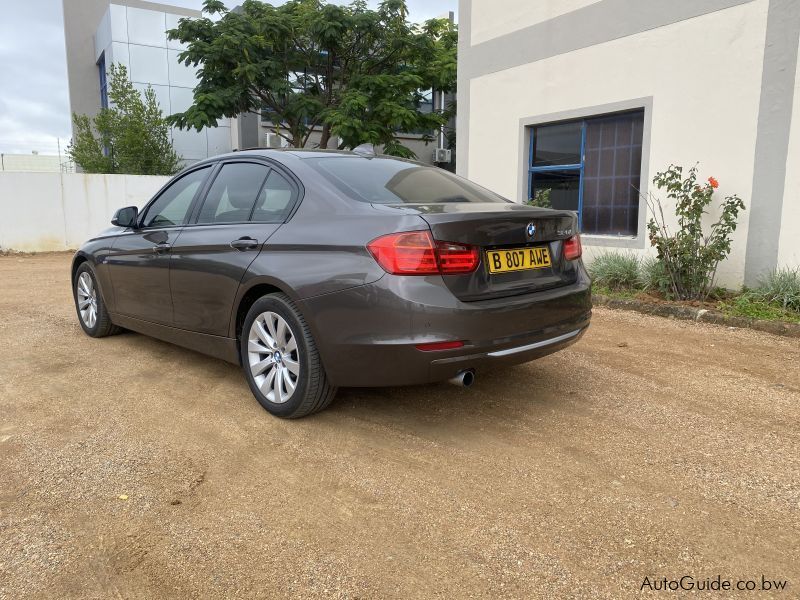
(281, 361)
(92, 312)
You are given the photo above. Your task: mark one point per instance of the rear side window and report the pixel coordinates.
(172, 206)
(275, 200)
(233, 194)
(382, 180)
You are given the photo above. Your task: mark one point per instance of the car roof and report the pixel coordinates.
(277, 153)
(280, 154)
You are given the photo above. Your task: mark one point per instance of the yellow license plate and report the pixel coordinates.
(518, 259)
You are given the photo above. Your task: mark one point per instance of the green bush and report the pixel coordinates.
(781, 288)
(624, 275)
(541, 198)
(615, 271)
(130, 136)
(691, 252)
(653, 276)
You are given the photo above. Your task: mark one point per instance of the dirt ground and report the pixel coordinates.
(652, 448)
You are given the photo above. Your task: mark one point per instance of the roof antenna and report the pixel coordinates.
(364, 150)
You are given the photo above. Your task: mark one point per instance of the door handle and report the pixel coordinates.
(162, 248)
(245, 243)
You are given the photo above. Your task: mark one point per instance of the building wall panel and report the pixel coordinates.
(703, 75)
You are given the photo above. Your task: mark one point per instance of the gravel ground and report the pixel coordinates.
(131, 468)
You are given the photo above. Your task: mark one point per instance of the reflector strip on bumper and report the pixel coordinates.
(535, 345)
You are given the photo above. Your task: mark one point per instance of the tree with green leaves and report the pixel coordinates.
(130, 136)
(345, 71)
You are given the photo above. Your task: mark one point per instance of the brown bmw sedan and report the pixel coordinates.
(319, 269)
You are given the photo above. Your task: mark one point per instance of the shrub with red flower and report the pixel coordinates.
(691, 253)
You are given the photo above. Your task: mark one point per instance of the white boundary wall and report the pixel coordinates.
(59, 211)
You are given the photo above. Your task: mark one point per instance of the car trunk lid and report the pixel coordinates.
(498, 226)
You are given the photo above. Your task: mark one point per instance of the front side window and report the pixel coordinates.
(382, 180)
(592, 167)
(233, 194)
(172, 206)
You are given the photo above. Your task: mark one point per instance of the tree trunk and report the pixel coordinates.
(326, 135)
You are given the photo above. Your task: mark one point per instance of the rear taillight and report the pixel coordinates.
(410, 253)
(572, 247)
(416, 253)
(456, 258)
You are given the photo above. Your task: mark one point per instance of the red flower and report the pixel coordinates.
(713, 182)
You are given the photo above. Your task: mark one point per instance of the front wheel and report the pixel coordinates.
(92, 312)
(280, 359)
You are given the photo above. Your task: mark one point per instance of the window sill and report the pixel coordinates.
(612, 241)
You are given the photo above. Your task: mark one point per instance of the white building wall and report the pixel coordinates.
(491, 18)
(59, 211)
(702, 76)
(35, 162)
(137, 38)
(789, 246)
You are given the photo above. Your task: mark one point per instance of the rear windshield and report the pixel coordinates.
(391, 181)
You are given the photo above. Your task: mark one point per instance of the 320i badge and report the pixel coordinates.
(319, 269)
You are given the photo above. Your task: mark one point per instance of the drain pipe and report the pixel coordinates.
(441, 127)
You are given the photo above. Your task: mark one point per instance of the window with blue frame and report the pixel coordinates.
(591, 166)
(101, 67)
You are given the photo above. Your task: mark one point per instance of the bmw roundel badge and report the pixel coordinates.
(530, 230)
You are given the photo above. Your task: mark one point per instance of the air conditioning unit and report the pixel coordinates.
(442, 155)
(273, 140)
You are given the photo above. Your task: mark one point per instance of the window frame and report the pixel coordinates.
(192, 204)
(645, 103)
(297, 192)
(580, 168)
(195, 216)
(101, 67)
(573, 167)
(290, 207)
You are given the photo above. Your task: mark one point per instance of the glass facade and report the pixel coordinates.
(137, 38)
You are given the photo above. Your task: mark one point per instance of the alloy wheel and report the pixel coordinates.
(273, 357)
(87, 299)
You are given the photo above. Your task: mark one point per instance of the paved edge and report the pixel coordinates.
(702, 315)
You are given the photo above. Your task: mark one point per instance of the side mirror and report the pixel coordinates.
(125, 217)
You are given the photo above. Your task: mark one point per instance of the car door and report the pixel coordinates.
(138, 263)
(244, 206)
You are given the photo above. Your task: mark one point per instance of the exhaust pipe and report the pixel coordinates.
(464, 378)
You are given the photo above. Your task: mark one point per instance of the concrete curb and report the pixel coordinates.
(703, 315)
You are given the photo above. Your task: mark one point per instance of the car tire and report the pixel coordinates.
(280, 359)
(89, 304)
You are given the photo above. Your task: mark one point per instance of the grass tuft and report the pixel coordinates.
(751, 306)
(781, 288)
(615, 271)
(653, 277)
(626, 276)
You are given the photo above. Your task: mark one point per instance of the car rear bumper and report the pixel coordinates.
(367, 335)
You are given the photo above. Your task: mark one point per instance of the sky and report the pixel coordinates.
(34, 100)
